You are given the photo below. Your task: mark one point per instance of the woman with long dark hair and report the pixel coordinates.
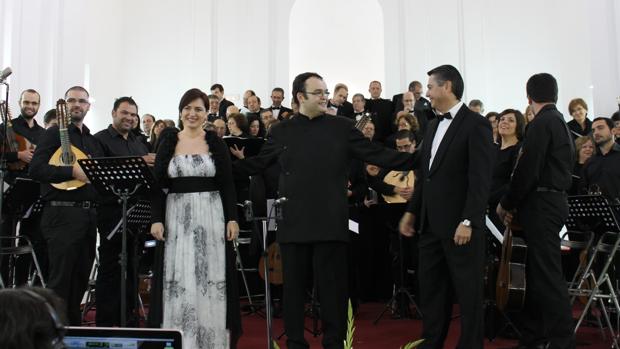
(197, 220)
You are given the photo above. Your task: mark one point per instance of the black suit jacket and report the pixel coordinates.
(315, 156)
(283, 110)
(457, 185)
(384, 111)
(224, 104)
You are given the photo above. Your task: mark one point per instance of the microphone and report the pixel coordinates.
(5, 74)
(280, 201)
(247, 210)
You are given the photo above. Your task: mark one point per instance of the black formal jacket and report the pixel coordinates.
(224, 104)
(223, 176)
(384, 110)
(457, 186)
(314, 156)
(282, 110)
(32, 134)
(577, 131)
(546, 161)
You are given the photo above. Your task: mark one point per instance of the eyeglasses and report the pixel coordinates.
(319, 93)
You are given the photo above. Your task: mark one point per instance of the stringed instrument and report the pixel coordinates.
(67, 154)
(274, 265)
(16, 142)
(510, 287)
(362, 121)
(399, 179)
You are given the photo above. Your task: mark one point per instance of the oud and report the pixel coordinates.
(67, 154)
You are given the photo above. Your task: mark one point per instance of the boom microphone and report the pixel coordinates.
(5, 74)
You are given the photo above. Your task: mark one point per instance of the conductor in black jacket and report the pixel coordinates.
(314, 151)
(538, 194)
(449, 200)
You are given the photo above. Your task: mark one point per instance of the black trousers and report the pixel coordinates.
(445, 269)
(547, 315)
(70, 233)
(109, 275)
(329, 260)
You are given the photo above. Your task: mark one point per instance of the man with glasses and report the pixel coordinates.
(69, 219)
(314, 151)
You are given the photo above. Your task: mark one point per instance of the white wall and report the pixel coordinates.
(155, 50)
(341, 48)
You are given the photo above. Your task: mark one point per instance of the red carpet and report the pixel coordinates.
(388, 333)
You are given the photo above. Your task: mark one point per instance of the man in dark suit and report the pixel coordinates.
(218, 90)
(415, 87)
(455, 166)
(277, 109)
(338, 104)
(382, 108)
(314, 151)
(538, 194)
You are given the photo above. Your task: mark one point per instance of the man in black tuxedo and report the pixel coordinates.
(338, 104)
(218, 90)
(314, 151)
(538, 194)
(415, 87)
(449, 201)
(279, 111)
(383, 110)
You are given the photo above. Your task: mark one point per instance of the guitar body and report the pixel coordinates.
(20, 143)
(398, 179)
(274, 265)
(61, 158)
(510, 289)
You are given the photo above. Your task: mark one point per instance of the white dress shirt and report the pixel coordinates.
(441, 131)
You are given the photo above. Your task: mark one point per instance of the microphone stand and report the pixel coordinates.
(249, 214)
(4, 111)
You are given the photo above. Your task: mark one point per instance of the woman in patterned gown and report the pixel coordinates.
(197, 221)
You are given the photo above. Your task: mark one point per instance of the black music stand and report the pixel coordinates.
(401, 297)
(594, 213)
(123, 177)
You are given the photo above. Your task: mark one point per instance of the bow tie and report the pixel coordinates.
(444, 116)
(275, 108)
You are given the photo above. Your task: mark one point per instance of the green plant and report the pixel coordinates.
(348, 342)
(412, 344)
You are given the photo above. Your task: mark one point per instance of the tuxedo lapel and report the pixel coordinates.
(447, 138)
(427, 143)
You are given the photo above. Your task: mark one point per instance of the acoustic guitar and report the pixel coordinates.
(16, 142)
(510, 287)
(274, 265)
(399, 179)
(67, 154)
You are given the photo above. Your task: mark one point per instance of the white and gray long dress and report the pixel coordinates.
(194, 292)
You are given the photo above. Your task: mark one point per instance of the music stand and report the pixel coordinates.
(123, 177)
(594, 213)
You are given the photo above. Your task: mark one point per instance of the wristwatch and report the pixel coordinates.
(467, 223)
